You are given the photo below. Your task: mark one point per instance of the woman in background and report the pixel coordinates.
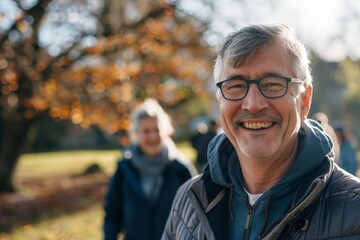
(142, 189)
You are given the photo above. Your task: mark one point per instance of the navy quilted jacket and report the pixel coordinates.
(314, 200)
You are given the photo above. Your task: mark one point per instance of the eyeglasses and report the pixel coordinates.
(237, 88)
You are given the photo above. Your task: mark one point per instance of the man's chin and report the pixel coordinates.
(258, 151)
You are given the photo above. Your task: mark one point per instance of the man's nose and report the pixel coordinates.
(254, 100)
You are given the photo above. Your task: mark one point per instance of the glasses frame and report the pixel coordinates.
(257, 81)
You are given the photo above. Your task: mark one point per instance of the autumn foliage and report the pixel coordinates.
(95, 73)
(162, 57)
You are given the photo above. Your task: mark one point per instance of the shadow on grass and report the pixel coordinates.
(42, 199)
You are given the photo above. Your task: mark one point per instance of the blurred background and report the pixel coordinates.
(71, 71)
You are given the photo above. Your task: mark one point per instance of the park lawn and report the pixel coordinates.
(56, 200)
(39, 165)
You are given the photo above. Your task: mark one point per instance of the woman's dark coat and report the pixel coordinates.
(128, 211)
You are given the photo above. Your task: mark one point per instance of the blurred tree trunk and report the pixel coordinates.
(18, 121)
(15, 138)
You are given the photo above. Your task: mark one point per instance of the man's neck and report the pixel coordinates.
(260, 175)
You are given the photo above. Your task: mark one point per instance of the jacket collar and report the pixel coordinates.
(308, 157)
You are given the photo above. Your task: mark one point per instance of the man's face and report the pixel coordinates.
(149, 137)
(258, 127)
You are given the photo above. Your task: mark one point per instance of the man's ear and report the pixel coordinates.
(306, 102)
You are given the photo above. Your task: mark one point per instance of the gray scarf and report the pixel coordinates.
(150, 169)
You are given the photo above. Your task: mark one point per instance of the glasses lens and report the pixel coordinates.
(273, 87)
(234, 89)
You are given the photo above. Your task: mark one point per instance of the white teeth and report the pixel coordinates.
(257, 125)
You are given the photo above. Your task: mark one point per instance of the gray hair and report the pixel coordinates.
(240, 46)
(150, 108)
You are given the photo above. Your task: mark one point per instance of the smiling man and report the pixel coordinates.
(271, 174)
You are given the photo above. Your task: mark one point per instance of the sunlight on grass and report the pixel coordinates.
(82, 224)
(38, 165)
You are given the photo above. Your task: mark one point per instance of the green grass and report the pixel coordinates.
(82, 225)
(79, 225)
(38, 165)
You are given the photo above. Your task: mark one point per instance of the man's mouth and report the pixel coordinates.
(257, 125)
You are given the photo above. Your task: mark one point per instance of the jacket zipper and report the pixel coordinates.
(216, 200)
(247, 223)
(269, 228)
